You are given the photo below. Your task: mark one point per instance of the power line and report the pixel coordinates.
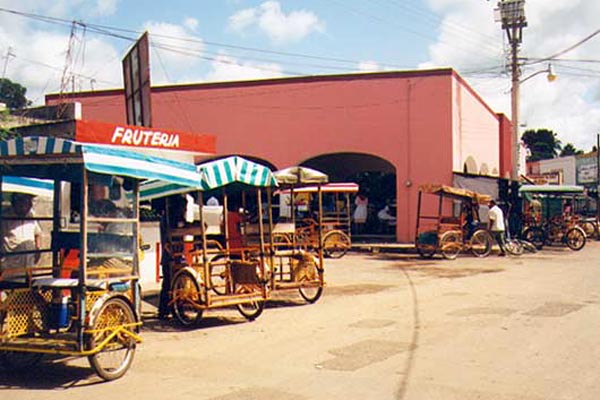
(568, 49)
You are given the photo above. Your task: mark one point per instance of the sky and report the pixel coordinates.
(79, 44)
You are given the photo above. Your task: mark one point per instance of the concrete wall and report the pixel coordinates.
(565, 164)
(475, 132)
(416, 120)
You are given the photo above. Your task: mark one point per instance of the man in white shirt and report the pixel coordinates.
(20, 233)
(497, 228)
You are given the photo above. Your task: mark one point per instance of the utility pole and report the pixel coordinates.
(512, 15)
(9, 54)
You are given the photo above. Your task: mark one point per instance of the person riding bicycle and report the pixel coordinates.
(497, 228)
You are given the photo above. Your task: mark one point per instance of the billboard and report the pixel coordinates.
(136, 78)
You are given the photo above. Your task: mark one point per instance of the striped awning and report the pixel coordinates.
(100, 158)
(235, 169)
(213, 175)
(35, 187)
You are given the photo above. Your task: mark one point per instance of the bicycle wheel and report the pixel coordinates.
(528, 246)
(589, 228)
(481, 243)
(575, 239)
(115, 358)
(451, 244)
(218, 275)
(186, 297)
(535, 236)
(336, 244)
(251, 309)
(514, 247)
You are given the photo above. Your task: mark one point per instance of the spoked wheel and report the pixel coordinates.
(451, 244)
(336, 244)
(575, 239)
(528, 246)
(589, 228)
(252, 309)
(481, 243)
(535, 236)
(514, 247)
(311, 273)
(186, 297)
(17, 361)
(218, 275)
(116, 356)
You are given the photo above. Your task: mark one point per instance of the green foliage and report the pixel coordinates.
(570, 150)
(542, 143)
(13, 94)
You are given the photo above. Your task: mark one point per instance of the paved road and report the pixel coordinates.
(388, 327)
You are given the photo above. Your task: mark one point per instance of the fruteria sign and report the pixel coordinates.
(144, 137)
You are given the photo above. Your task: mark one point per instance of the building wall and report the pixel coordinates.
(403, 117)
(565, 164)
(475, 133)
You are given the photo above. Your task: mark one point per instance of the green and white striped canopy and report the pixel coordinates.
(215, 174)
(234, 169)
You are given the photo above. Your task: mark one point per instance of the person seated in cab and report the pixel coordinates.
(21, 234)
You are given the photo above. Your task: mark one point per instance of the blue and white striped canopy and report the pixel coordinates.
(35, 187)
(102, 159)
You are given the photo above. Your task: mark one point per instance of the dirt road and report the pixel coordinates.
(387, 327)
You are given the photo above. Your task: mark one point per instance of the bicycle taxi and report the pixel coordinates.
(336, 220)
(454, 225)
(82, 298)
(549, 215)
(296, 261)
(215, 261)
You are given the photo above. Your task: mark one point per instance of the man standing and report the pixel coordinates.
(497, 228)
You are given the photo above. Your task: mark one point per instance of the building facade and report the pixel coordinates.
(419, 126)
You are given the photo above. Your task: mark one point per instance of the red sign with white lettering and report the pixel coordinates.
(142, 137)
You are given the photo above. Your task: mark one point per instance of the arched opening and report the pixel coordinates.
(377, 180)
(484, 170)
(470, 166)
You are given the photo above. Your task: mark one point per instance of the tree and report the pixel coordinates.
(13, 94)
(542, 143)
(570, 150)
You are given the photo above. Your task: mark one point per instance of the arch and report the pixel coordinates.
(484, 170)
(470, 166)
(376, 177)
(342, 166)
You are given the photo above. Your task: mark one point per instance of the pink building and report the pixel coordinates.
(422, 126)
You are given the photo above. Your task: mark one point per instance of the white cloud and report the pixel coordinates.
(280, 27)
(191, 23)
(369, 66)
(228, 68)
(106, 7)
(243, 19)
(175, 52)
(471, 42)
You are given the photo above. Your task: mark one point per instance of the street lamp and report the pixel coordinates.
(551, 77)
